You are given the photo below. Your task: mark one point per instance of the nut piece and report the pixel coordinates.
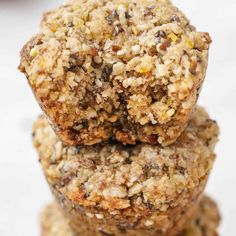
(118, 68)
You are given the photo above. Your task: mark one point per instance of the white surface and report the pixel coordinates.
(23, 190)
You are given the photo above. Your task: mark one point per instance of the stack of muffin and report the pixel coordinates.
(123, 147)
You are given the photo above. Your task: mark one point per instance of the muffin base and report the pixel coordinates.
(205, 222)
(96, 221)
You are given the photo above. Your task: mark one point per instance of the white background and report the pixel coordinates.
(23, 190)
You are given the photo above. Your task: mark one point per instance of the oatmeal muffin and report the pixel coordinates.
(205, 222)
(128, 70)
(117, 189)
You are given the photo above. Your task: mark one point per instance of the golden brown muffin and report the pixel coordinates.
(120, 190)
(205, 222)
(127, 70)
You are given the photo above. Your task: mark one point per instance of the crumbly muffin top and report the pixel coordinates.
(204, 224)
(97, 61)
(113, 176)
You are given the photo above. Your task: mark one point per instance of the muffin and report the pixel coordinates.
(125, 70)
(205, 222)
(122, 190)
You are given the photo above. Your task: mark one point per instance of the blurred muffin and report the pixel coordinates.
(205, 222)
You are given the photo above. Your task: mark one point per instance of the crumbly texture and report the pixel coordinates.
(143, 187)
(205, 223)
(128, 70)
